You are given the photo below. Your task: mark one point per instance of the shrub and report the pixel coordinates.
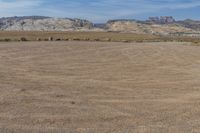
(7, 40)
(50, 39)
(139, 41)
(38, 39)
(96, 39)
(76, 39)
(196, 42)
(23, 39)
(125, 41)
(58, 39)
(106, 39)
(86, 39)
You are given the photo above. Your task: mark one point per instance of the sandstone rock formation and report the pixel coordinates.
(37, 23)
(155, 25)
(162, 20)
(192, 24)
(124, 26)
(146, 27)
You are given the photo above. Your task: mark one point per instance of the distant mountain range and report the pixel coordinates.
(166, 25)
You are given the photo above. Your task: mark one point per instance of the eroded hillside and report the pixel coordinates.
(43, 24)
(140, 27)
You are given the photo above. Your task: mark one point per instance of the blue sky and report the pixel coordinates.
(101, 10)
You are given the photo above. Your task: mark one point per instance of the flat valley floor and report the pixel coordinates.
(99, 87)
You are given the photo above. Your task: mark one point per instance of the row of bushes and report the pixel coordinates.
(56, 39)
(161, 39)
(9, 40)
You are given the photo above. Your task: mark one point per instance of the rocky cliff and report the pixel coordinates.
(124, 26)
(155, 25)
(192, 24)
(146, 27)
(162, 20)
(39, 23)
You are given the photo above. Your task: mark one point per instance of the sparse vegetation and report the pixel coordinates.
(91, 36)
(38, 39)
(58, 39)
(7, 40)
(23, 39)
(76, 39)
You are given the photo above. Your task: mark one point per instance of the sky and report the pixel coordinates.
(102, 10)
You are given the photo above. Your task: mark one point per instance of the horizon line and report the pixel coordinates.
(97, 22)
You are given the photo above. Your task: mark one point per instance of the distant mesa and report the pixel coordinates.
(162, 19)
(164, 25)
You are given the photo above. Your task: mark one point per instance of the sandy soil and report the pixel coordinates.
(94, 87)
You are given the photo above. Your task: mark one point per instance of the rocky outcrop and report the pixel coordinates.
(143, 27)
(192, 24)
(161, 20)
(124, 26)
(38, 23)
(155, 25)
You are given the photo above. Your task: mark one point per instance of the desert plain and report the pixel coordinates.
(99, 87)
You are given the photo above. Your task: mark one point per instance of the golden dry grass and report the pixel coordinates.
(84, 36)
(13, 36)
(9, 36)
(99, 87)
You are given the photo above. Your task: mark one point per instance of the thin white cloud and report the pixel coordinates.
(96, 10)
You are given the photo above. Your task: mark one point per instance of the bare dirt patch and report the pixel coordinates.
(99, 87)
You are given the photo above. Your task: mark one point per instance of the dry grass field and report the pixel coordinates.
(13, 36)
(76, 36)
(99, 87)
